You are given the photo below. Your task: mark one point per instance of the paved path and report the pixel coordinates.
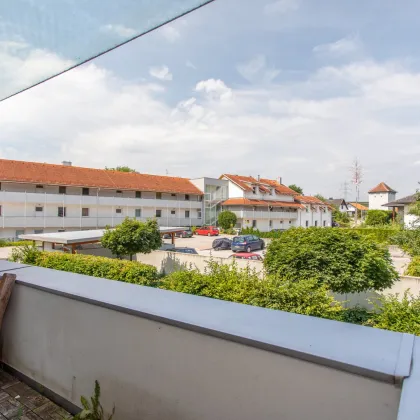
(5, 252)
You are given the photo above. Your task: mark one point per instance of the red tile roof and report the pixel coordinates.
(45, 173)
(247, 182)
(382, 187)
(264, 203)
(359, 206)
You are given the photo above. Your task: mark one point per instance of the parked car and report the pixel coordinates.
(184, 250)
(247, 243)
(247, 256)
(187, 233)
(335, 224)
(207, 231)
(222, 243)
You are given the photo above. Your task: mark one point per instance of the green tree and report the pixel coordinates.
(121, 169)
(415, 207)
(320, 197)
(378, 217)
(226, 219)
(342, 218)
(294, 187)
(344, 261)
(132, 236)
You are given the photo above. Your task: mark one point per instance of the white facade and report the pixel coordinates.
(377, 200)
(26, 208)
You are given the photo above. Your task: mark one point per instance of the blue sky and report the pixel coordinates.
(291, 88)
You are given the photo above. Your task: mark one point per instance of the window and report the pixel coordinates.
(173, 212)
(270, 223)
(270, 208)
(119, 192)
(158, 213)
(187, 214)
(118, 211)
(85, 191)
(254, 190)
(137, 212)
(85, 212)
(307, 209)
(138, 194)
(38, 231)
(61, 230)
(62, 190)
(159, 196)
(316, 222)
(39, 209)
(61, 212)
(199, 214)
(306, 223)
(40, 187)
(325, 223)
(254, 223)
(187, 197)
(1, 210)
(173, 195)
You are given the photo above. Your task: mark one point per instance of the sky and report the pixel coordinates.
(286, 88)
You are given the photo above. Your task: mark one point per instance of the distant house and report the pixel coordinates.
(380, 195)
(352, 209)
(402, 206)
(339, 203)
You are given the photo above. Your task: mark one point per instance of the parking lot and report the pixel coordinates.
(203, 245)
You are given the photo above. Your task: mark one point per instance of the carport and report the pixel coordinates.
(73, 239)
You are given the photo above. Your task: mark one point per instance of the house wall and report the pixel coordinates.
(376, 200)
(234, 191)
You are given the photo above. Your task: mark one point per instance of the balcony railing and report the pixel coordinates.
(93, 200)
(260, 214)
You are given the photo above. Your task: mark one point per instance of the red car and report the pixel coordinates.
(247, 256)
(207, 231)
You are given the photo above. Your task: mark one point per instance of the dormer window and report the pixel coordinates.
(254, 190)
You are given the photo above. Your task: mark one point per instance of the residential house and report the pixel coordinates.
(380, 195)
(339, 203)
(39, 197)
(360, 207)
(402, 208)
(267, 204)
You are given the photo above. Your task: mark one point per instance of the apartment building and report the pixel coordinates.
(267, 204)
(39, 197)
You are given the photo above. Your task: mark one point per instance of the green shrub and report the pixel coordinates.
(356, 315)
(227, 282)
(396, 314)
(408, 240)
(378, 217)
(343, 260)
(256, 232)
(413, 268)
(4, 243)
(226, 219)
(380, 235)
(26, 254)
(113, 269)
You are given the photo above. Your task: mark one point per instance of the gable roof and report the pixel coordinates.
(46, 173)
(247, 182)
(263, 203)
(359, 206)
(307, 199)
(380, 188)
(337, 202)
(402, 201)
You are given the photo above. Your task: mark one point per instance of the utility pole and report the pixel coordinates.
(356, 179)
(345, 189)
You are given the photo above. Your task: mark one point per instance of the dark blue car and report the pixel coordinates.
(247, 243)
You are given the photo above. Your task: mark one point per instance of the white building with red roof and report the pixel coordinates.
(380, 195)
(42, 198)
(267, 204)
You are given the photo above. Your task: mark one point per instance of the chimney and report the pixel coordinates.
(258, 178)
(279, 180)
(66, 163)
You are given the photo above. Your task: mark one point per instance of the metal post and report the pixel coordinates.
(45, 210)
(80, 212)
(26, 203)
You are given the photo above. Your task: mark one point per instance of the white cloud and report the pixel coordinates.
(161, 73)
(344, 46)
(256, 70)
(170, 33)
(93, 118)
(120, 30)
(281, 7)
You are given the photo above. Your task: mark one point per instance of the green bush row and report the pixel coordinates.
(113, 269)
(256, 232)
(382, 236)
(4, 243)
(413, 268)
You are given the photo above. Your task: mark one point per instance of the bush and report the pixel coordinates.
(395, 314)
(226, 219)
(4, 243)
(413, 268)
(113, 269)
(26, 254)
(380, 235)
(356, 315)
(344, 261)
(378, 217)
(408, 240)
(227, 282)
(256, 232)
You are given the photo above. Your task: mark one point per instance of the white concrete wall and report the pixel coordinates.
(234, 191)
(376, 200)
(309, 218)
(153, 370)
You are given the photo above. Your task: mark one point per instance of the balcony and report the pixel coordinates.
(264, 214)
(93, 200)
(164, 355)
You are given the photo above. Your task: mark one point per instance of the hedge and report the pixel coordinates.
(113, 269)
(4, 243)
(413, 268)
(256, 232)
(381, 236)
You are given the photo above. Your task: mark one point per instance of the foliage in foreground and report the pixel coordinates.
(378, 217)
(92, 410)
(90, 265)
(4, 243)
(413, 268)
(228, 282)
(226, 219)
(131, 237)
(408, 240)
(381, 235)
(341, 218)
(343, 261)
